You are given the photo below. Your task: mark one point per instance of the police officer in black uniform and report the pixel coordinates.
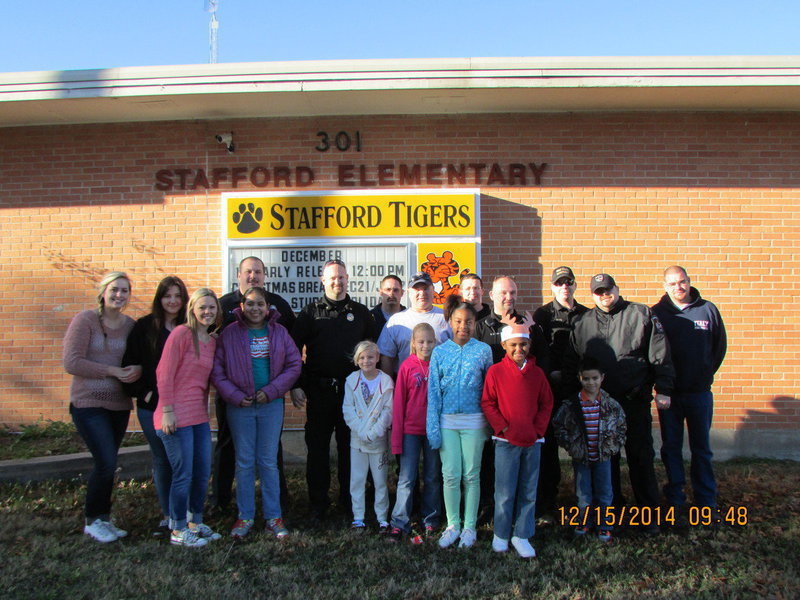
(329, 329)
(556, 319)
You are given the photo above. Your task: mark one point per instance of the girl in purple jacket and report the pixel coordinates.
(256, 363)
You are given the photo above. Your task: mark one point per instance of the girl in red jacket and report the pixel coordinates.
(517, 402)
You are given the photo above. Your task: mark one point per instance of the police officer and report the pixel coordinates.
(329, 329)
(556, 319)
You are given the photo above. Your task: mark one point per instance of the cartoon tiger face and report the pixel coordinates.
(441, 269)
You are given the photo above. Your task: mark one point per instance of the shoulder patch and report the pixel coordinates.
(657, 323)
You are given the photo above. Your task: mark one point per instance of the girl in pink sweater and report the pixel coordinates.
(100, 409)
(181, 417)
(409, 440)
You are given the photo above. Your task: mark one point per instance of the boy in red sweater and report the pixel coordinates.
(517, 402)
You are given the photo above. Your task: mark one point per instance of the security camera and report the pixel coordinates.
(227, 139)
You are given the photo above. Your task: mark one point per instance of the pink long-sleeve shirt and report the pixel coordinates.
(410, 405)
(183, 378)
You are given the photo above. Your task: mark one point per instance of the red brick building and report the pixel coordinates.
(617, 165)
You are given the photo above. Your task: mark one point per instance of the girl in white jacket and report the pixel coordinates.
(367, 411)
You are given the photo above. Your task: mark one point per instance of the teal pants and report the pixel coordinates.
(461, 453)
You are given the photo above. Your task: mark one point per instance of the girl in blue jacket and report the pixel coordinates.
(455, 422)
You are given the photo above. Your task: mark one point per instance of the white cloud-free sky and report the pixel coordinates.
(92, 34)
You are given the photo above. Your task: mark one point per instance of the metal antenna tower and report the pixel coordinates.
(213, 29)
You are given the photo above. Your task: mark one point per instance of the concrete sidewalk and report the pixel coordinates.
(134, 462)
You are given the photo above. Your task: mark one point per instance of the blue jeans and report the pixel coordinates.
(189, 453)
(102, 430)
(516, 475)
(413, 447)
(256, 432)
(593, 488)
(162, 472)
(697, 410)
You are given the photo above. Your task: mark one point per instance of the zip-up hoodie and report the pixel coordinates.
(697, 340)
(232, 373)
(455, 385)
(410, 405)
(519, 399)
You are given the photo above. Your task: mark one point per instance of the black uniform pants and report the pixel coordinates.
(549, 470)
(638, 452)
(323, 418)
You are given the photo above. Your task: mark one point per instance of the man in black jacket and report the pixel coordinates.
(251, 273)
(629, 342)
(698, 343)
(556, 319)
(391, 291)
(329, 329)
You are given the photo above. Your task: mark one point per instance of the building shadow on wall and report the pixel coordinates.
(511, 244)
(783, 442)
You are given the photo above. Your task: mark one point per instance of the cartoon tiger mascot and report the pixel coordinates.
(441, 269)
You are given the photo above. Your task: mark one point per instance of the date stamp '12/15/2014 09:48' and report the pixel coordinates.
(646, 516)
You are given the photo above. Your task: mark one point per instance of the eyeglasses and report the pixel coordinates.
(562, 282)
(602, 292)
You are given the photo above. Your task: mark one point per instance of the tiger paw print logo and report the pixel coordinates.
(441, 269)
(248, 218)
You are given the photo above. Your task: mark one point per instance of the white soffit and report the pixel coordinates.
(426, 86)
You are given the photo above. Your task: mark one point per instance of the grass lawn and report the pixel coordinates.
(44, 554)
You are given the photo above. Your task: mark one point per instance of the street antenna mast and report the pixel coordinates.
(213, 30)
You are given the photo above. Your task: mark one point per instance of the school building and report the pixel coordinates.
(496, 165)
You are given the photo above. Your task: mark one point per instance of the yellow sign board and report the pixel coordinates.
(351, 215)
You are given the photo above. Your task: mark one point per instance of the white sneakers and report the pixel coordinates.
(104, 531)
(523, 547)
(499, 544)
(449, 537)
(468, 537)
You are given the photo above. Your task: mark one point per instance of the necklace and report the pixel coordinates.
(426, 369)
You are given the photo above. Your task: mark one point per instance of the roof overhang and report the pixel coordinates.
(419, 86)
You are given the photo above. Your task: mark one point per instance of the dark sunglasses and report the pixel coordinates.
(561, 282)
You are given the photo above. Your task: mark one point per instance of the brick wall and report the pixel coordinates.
(626, 194)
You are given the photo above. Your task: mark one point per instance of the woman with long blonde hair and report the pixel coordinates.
(93, 348)
(181, 417)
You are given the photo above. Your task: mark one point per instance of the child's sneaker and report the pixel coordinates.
(241, 528)
(395, 535)
(430, 531)
(187, 537)
(523, 547)
(468, 537)
(581, 531)
(277, 528)
(449, 537)
(604, 535)
(99, 531)
(499, 544)
(383, 527)
(120, 533)
(164, 523)
(204, 531)
(358, 526)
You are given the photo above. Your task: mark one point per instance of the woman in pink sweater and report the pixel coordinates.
(93, 349)
(181, 417)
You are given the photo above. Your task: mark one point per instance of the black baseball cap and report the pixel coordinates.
(602, 280)
(420, 277)
(560, 273)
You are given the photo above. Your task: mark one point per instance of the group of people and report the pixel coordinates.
(420, 383)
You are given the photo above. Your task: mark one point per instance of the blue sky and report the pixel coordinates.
(88, 34)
